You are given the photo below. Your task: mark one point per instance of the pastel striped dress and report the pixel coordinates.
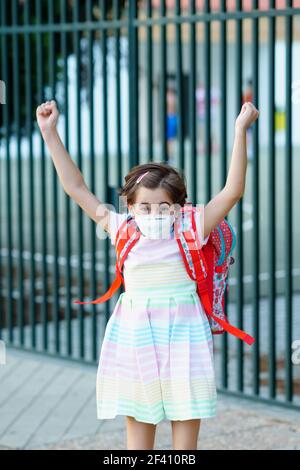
(156, 360)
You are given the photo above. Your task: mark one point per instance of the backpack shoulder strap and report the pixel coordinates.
(127, 236)
(189, 244)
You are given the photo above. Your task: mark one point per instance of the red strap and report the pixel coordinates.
(134, 236)
(113, 288)
(198, 259)
(225, 324)
(120, 241)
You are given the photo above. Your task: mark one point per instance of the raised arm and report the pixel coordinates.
(69, 174)
(220, 205)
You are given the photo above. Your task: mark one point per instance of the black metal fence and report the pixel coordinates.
(110, 66)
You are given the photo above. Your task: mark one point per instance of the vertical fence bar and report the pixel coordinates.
(120, 163)
(43, 197)
(67, 208)
(223, 156)
(92, 169)
(240, 234)
(116, 16)
(207, 85)
(192, 105)
(17, 133)
(288, 208)
(5, 41)
(163, 67)
(31, 198)
(180, 114)
(256, 206)
(133, 85)
(272, 219)
(103, 10)
(149, 45)
(77, 51)
(1, 197)
(55, 228)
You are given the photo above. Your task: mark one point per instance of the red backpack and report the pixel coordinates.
(208, 266)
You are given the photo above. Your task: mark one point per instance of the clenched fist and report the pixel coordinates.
(47, 116)
(247, 116)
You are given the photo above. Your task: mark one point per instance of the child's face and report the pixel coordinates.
(152, 201)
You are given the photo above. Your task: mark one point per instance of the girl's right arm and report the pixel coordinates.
(69, 174)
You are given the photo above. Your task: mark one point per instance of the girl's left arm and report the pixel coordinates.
(220, 205)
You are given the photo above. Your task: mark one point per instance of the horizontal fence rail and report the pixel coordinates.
(111, 67)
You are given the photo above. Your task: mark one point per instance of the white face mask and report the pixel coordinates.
(155, 226)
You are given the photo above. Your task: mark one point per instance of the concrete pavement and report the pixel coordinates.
(49, 403)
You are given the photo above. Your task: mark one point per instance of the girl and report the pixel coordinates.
(156, 359)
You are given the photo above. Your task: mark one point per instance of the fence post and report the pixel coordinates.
(133, 84)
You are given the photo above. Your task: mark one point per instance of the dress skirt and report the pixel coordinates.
(156, 360)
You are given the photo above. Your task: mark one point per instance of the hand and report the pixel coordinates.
(47, 116)
(247, 116)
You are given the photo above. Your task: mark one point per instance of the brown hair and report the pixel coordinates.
(161, 175)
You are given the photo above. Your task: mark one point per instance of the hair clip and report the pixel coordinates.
(141, 177)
